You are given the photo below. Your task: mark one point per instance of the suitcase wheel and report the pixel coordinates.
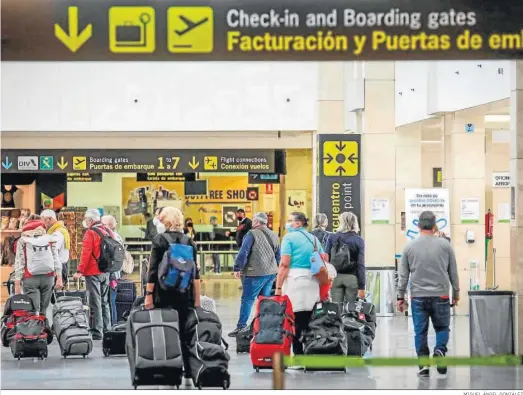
(200, 387)
(257, 369)
(84, 355)
(226, 384)
(177, 387)
(304, 370)
(106, 352)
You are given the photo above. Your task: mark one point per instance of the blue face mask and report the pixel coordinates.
(289, 228)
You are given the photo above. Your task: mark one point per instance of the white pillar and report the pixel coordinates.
(516, 174)
(379, 161)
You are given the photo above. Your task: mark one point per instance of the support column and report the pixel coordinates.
(408, 172)
(464, 176)
(378, 151)
(516, 174)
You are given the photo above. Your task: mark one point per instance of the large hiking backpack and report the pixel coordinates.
(39, 254)
(177, 268)
(340, 258)
(112, 252)
(359, 323)
(207, 356)
(273, 330)
(325, 334)
(30, 338)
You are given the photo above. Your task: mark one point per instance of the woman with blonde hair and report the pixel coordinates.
(346, 251)
(319, 228)
(158, 296)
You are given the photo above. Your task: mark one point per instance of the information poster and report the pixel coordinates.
(470, 211)
(430, 199)
(296, 201)
(380, 211)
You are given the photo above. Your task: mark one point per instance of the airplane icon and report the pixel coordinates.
(191, 25)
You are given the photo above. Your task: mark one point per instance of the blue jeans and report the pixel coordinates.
(438, 311)
(252, 287)
(114, 315)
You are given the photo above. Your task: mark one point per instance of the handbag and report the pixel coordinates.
(318, 268)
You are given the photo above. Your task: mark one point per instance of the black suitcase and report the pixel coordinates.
(325, 335)
(114, 340)
(154, 348)
(358, 333)
(125, 297)
(243, 340)
(30, 340)
(208, 359)
(126, 291)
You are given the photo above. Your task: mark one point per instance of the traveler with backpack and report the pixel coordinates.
(319, 226)
(346, 251)
(173, 277)
(101, 255)
(61, 235)
(37, 264)
(257, 263)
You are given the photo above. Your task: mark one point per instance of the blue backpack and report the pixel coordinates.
(177, 270)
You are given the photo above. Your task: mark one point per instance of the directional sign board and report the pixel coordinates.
(137, 161)
(259, 30)
(339, 184)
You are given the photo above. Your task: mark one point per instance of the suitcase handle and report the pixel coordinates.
(225, 344)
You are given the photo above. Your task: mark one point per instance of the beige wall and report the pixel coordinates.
(431, 157)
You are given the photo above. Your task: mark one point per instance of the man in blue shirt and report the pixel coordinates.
(257, 262)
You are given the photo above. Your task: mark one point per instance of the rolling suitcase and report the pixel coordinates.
(273, 330)
(243, 340)
(325, 335)
(71, 327)
(30, 339)
(359, 340)
(207, 358)
(125, 297)
(114, 340)
(154, 348)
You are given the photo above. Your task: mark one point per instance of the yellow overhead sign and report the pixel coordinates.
(210, 163)
(340, 158)
(79, 163)
(73, 39)
(190, 29)
(132, 29)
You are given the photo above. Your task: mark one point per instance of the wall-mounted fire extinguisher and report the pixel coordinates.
(489, 225)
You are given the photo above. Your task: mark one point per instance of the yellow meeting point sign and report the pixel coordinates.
(73, 39)
(340, 158)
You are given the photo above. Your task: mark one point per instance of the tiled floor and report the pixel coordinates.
(394, 338)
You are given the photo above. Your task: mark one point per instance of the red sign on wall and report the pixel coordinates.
(269, 189)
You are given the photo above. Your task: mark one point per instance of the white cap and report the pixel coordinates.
(48, 214)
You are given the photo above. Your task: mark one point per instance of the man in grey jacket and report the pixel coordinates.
(430, 264)
(257, 261)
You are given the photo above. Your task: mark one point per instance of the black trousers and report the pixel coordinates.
(301, 324)
(171, 300)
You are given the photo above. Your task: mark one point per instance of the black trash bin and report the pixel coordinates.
(491, 321)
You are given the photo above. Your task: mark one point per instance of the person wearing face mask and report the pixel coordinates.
(244, 226)
(97, 282)
(295, 277)
(189, 228)
(57, 230)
